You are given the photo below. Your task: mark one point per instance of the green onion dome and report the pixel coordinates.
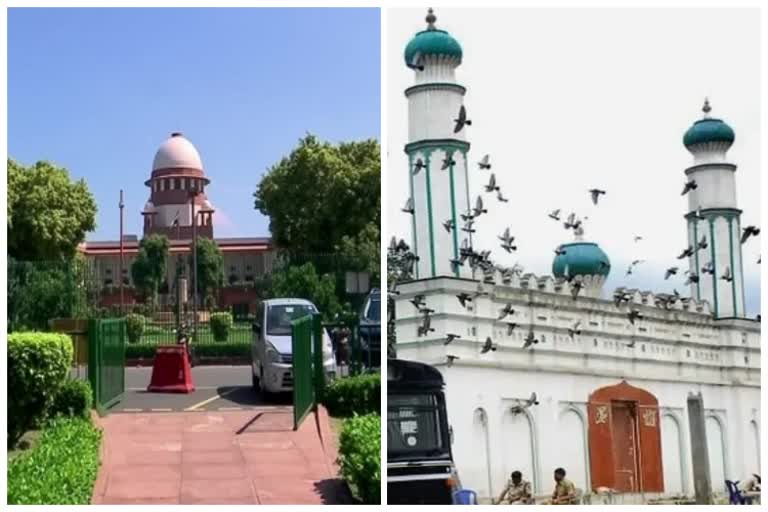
(580, 258)
(431, 41)
(707, 130)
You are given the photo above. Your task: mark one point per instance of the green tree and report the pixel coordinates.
(303, 282)
(362, 252)
(322, 193)
(210, 268)
(149, 267)
(48, 213)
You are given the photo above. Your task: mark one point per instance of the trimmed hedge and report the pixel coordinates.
(360, 457)
(221, 324)
(75, 398)
(360, 394)
(232, 350)
(61, 469)
(134, 325)
(38, 365)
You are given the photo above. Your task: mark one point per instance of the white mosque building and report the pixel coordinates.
(612, 396)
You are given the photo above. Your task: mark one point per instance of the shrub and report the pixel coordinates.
(38, 364)
(61, 469)
(231, 350)
(221, 324)
(75, 398)
(134, 324)
(360, 394)
(360, 456)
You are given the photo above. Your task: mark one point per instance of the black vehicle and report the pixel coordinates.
(370, 330)
(420, 467)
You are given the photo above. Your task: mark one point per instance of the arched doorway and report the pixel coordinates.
(671, 450)
(518, 447)
(625, 439)
(716, 450)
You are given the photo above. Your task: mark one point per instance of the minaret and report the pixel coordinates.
(439, 190)
(713, 216)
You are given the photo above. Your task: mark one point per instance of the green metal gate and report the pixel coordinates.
(308, 375)
(106, 361)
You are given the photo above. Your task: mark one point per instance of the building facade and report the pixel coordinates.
(177, 181)
(611, 391)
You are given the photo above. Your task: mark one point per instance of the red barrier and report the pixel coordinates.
(171, 372)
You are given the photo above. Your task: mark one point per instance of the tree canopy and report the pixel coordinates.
(323, 194)
(149, 268)
(210, 267)
(49, 214)
(304, 282)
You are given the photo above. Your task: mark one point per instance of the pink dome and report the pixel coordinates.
(177, 152)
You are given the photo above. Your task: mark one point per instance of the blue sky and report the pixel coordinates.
(98, 90)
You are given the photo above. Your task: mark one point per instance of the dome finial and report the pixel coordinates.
(431, 19)
(706, 108)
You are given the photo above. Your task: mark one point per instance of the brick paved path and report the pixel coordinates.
(222, 457)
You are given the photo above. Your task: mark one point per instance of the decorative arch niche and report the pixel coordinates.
(625, 439)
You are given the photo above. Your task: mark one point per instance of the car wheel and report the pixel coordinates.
(255, 382)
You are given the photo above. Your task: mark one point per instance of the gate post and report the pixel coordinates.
(94, 360)
(317, 357)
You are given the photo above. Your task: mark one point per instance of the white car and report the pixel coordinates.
(272, 350)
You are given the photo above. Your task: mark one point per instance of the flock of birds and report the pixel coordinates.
(481, 259)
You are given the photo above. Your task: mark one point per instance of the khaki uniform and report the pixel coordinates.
(520, 493)
(564, 488)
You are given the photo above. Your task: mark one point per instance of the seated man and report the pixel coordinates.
(517, 491)
(565, 491)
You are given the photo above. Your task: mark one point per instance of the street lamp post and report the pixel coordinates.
(122, 205)
(193, 194)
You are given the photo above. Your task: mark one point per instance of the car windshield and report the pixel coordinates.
(279, 317)
(374, 310)
(413, 425)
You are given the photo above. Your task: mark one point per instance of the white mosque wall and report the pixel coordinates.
(675, 352)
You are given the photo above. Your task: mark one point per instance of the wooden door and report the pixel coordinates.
(625, 447)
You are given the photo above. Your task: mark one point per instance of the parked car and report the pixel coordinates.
(370, 330)
(272, 350)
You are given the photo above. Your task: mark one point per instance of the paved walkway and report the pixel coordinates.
(222, 457)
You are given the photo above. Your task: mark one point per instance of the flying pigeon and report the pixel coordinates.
(690, 185)
(408, 208)
(463, 299)
(702, 243)
(687, 252)
(478, 210)
(425, 327)
(450, 359)
(484, 163)
(576, 288)
(500, 197)
(555, 214)
(671, 271)
(491, 186)
(749, 231)
(532, 400)
(575, 329)
(560, 251)
(638, 238)
(510, 328)
(450, 337)
(506, 241)
(448, 161)
(506, 310)
(417, 62)
(467, 227)
(448, 225)
(727, 275)
(418, 301)
(572, 222)
(595, 193)
(708, 268)
(461, 120)
(633, 315)
(530, 340)
(455, 264)
(419, 165)
(693, 277)
(488, 346)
